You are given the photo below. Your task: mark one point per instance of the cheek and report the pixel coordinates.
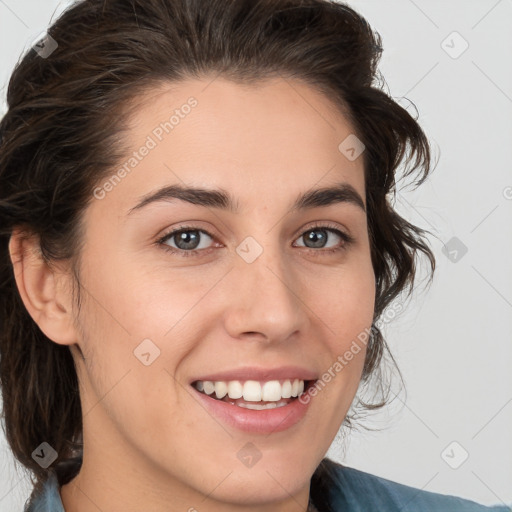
(128, 372)
(346, 300)
(346, 310)
(137, 300)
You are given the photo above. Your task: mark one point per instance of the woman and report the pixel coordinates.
(197, 247)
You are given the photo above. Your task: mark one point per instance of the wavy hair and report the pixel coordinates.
(61, 136)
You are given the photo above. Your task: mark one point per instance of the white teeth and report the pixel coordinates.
(251, 390)
(271, 391)
(221, 389)
(295, 387)
(286, 389)
(209, 387)
(260, 407)
(235, 389)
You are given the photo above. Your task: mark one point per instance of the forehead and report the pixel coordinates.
(277, 137)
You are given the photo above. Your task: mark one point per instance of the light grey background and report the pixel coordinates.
(454, 342)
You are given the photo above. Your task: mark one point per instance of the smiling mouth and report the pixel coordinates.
(203, 388)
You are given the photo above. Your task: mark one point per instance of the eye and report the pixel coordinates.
(189, 241)
(317, 236)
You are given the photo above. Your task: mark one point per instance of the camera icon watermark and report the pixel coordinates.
(352, 147)
(454, 45)
(146, 352)
(454, 455)
(44, 455)
(249, 249)
(45, 45)
(249, 455)
(454, 249)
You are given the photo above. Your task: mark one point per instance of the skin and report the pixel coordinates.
(149, 444)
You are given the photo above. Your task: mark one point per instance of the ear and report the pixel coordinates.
(45, 290)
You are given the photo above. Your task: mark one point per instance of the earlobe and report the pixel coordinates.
(43, 290)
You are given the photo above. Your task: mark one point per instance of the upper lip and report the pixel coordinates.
(260, 374)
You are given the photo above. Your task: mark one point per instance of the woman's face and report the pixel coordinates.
(261, 285)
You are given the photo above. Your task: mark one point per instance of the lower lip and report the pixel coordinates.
(267, 421)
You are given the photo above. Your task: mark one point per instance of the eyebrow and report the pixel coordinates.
(221, 199)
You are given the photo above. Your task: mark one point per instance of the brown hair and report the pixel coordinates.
(61, 136)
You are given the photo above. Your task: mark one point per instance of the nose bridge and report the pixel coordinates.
(266, 300)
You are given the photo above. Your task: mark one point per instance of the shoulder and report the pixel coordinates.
(46, 499)
(352, 490)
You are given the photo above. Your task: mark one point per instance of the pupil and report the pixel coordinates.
(317, 240)
(184, 236)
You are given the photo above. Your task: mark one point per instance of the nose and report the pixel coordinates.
(267, 301)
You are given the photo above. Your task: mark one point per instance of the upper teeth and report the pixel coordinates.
(252, 390)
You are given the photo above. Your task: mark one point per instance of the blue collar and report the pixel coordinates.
(334, 487)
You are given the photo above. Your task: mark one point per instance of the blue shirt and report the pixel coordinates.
(342, 489)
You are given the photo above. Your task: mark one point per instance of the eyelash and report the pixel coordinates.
(347, 239)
